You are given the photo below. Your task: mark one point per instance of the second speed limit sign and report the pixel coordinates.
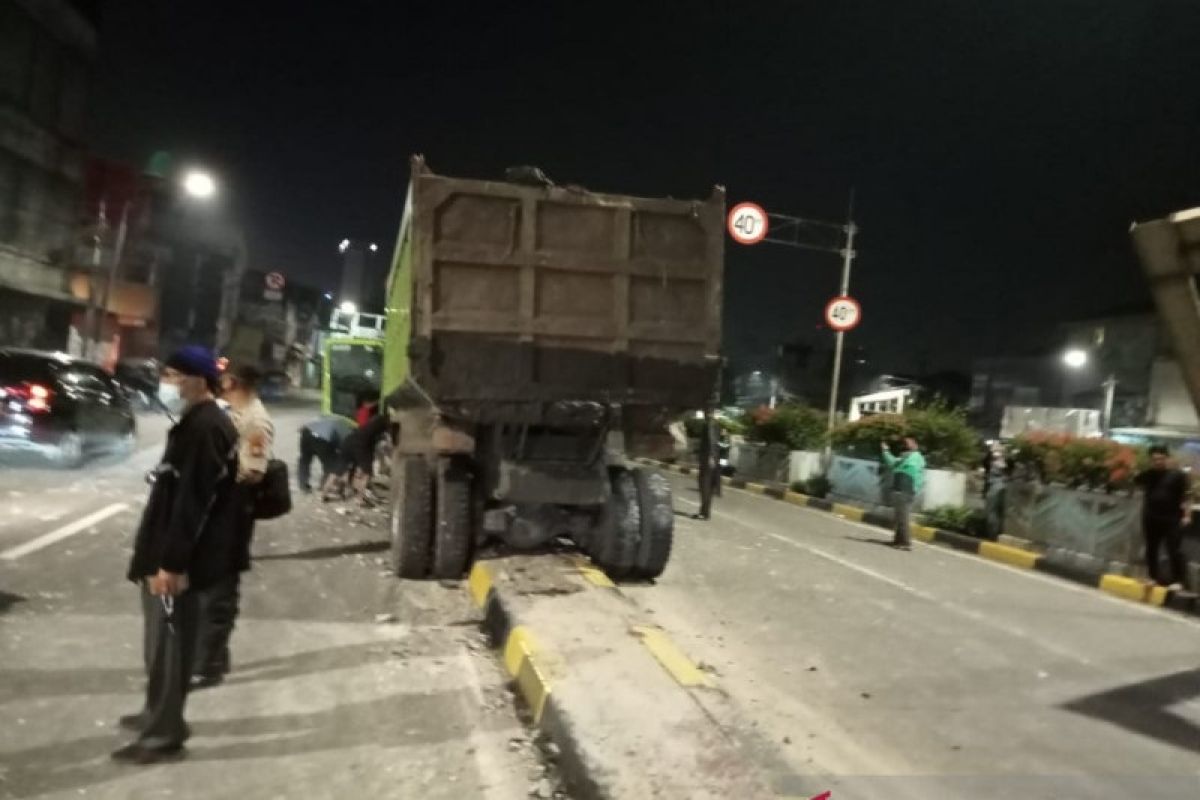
(843, 313)
(747, 223)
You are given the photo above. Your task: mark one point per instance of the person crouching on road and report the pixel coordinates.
(908, 476)
(219, 603)
(358, 455)
(322, 439)
(1166, 510)
(184, 546)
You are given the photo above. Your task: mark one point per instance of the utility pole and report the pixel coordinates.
(97, 320)
(87, 344)
(749, 224)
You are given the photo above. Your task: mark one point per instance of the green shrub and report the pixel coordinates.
(942, 433)
(970, 521)
(817, 486)
(795, 426)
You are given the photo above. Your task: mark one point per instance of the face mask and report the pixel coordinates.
(168, 395)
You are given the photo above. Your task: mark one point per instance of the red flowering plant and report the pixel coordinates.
(1076, 461)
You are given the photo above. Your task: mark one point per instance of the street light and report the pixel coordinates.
(374, 247)
(1075, 358)
(199, 184)
(343, 245)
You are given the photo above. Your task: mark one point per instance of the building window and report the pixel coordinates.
(46, 83)
(16, 43)
(10, 193)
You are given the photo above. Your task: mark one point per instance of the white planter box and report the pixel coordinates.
(802, 465)
(861, 481)
(943, 488)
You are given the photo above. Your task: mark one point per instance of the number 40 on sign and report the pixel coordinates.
(747, 223)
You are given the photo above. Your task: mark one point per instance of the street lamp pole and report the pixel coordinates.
(1110, 392)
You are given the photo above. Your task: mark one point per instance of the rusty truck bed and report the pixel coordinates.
(532, 294)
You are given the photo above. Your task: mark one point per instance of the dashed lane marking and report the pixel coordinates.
(679, 666)
(592, 574)
(66, 531)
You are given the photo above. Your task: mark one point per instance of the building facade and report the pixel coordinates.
(49, 51)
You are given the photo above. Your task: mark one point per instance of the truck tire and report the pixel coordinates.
(657, 513)
(615, 542)
(453, 534)
(411, 521)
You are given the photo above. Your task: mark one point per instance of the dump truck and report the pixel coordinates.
(540, 339)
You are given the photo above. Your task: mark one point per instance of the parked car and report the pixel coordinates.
(61, 408)
(139, 378)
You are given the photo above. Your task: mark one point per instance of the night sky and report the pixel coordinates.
(999, 148)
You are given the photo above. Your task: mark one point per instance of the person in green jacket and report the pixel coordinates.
(908, 476)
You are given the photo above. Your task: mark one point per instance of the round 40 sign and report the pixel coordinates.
(747, 223)
(843, 313)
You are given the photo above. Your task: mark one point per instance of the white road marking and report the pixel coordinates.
(1027, 574)
(58, 534)
(948, 605)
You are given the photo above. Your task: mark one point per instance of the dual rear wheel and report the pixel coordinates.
(432, 521)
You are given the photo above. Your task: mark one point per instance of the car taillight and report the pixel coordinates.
(39, 398)
(35, 397)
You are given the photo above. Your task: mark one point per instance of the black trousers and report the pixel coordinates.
(169, 642)
(1169, 534)
(218, 612)
(321, 449)
(710, 487)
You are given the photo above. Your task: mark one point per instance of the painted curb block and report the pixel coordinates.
(1121, 586)
(527, 665)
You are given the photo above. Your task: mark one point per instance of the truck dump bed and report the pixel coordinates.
(507, 294)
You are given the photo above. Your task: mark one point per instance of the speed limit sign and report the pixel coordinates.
(747, 223)
(843, 313)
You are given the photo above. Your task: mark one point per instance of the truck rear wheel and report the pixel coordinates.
(657, 514)
(453, 533)
(614, 544)
(412, 513)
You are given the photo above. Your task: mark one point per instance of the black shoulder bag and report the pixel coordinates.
(273, 496)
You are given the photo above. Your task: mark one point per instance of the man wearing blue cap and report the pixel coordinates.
(185, 544)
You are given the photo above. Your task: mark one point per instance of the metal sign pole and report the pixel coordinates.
(847, 263)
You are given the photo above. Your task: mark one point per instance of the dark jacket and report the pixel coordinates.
(1165, 491)
(188, 525)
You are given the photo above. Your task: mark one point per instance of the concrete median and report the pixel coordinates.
(606, 686)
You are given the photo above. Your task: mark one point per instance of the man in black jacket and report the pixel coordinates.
(1166, 506)
(186, 542)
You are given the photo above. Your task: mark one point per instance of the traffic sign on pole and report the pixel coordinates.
(843, 313)
(747, 223)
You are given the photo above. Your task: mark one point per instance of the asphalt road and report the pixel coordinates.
(327, 697)
(870, 672)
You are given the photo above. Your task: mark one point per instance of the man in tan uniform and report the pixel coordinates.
(219, 605)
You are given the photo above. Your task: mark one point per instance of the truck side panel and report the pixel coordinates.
(399, 310)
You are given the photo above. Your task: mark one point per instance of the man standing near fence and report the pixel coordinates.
(1166, 509)
(908, 476)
